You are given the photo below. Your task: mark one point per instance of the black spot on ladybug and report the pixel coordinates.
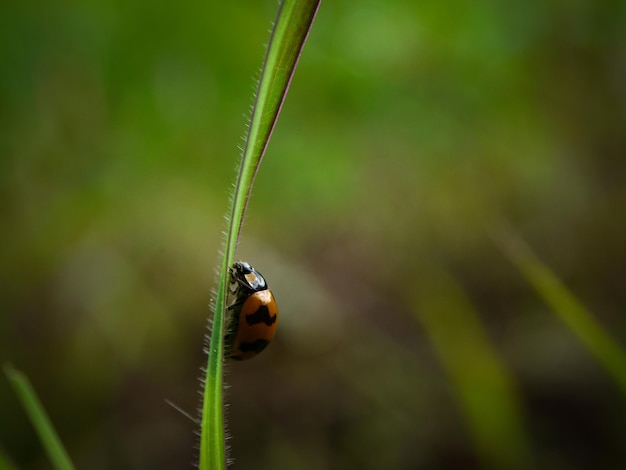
(255, 346)
(262, 315)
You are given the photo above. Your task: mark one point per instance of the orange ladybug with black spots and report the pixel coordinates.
(253, 314)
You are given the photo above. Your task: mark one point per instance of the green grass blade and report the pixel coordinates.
(38, 417)
(212, 444)
(484, 390)
(289, 34)
(572, 312)
(5, 461)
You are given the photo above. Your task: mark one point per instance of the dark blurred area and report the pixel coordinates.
(407, 339)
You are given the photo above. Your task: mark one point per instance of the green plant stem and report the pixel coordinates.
(289, 34)
(40, 420)
(609, 354)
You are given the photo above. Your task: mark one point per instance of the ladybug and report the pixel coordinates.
(254, 314)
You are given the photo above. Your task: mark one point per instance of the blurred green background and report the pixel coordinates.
(407, 338)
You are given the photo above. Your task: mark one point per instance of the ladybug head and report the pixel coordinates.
(247, 277)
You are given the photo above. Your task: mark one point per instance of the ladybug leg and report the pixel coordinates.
(235, 284)
(232, 287)
(235, 304)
